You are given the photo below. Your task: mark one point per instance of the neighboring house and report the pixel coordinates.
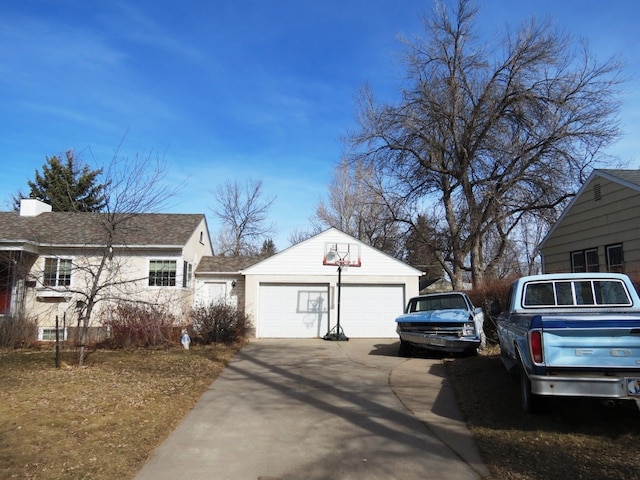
(295, 293)
(435, 285)
(47, 259)
(600, 229)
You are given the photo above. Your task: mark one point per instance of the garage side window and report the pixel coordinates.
(162, 273)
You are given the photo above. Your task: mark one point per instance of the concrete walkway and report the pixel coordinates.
(315, 409)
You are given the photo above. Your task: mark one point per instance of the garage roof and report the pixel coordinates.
(220, 264)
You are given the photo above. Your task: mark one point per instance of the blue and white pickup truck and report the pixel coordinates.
(572, 335)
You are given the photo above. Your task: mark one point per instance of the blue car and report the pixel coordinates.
(446, 322)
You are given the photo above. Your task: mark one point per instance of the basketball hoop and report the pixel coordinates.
(341, 255)
(343, 263)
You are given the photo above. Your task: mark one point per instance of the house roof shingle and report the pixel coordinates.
(629, 176)
(72, 228)
(219, 264)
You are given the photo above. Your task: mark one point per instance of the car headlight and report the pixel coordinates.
(468, 329)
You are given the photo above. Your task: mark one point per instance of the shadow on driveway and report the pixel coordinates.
(310, 409)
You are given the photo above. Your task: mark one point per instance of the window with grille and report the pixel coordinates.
(49, 334)
(57, 272)
(585, 261)
(162, 273)
(576, 293)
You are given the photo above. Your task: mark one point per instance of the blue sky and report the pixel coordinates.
(236, 89)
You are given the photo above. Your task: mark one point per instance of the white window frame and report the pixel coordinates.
(187, 274)
(172, 281)
(57, 283)
(584, 256)
(615, 268)
(52, 331)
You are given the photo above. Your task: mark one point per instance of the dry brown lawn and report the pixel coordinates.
(97, 422)
(575, 439)
(103, 421)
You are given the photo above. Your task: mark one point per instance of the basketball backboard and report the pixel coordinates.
(342, 254)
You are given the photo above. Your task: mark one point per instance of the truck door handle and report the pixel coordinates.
(635, 331)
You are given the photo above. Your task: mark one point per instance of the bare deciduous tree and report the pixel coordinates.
(243, 212)
(299, 235)
(132, 187)
(490, 135)
(425, 247)
(357, 206)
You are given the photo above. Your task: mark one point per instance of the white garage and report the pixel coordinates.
(294, 294)
(368, 311)
(304, 311)
(293, 311)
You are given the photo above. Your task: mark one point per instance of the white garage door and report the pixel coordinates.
(369, 311)
(300, 311)
(293, 311)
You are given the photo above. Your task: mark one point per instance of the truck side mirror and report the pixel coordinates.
(495, 308)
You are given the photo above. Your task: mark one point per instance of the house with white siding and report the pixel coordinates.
(48, 261)
(600, 229)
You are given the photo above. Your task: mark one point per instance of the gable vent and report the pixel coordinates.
(597, 193)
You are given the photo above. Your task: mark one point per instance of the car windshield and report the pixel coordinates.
(443, 302)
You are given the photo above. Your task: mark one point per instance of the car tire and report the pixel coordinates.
(531, 403)
(405, 349)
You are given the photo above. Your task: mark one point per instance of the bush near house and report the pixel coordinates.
(219, 322)
(137, 325)
(484, 296)
(17, 331)
(635, 279)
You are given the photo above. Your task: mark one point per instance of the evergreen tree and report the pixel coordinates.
(268, 248)
(67, 185)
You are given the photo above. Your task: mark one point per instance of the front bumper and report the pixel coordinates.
(444, 343)
(584, 386)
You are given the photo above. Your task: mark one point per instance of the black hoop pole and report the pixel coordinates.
(338, 334)
(339, 290)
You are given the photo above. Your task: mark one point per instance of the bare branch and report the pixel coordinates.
(243, 213)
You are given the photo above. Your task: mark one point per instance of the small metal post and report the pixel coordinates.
(57, 344)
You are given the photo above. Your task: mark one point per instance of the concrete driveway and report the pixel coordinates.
(316, 409)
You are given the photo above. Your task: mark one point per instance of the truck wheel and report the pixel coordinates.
(405, 349)
(531, 403)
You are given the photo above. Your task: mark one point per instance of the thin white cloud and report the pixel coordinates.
(138, 25)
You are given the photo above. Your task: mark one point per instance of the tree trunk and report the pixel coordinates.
(84, 337)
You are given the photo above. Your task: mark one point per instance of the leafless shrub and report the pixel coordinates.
(219, 323)
(137, 325)
(16, 331)
(484, 296)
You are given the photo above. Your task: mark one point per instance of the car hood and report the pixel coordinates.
(451, 315)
